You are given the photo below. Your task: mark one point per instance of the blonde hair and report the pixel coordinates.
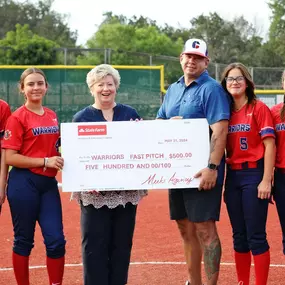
(101, 71)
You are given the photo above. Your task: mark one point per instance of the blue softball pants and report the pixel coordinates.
(35, 198)
(247, 213)
(279, 198)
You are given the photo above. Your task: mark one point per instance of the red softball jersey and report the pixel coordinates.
(279, 127)
(5, 113)
(33, 135)
(247, 128)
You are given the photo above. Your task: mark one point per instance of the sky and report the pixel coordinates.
(85, 15)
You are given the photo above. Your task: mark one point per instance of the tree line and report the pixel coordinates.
(31, 32)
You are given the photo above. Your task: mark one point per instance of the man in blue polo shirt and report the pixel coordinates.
(197, 95)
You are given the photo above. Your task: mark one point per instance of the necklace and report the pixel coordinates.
(108, 116)
(238, 108)
(39, 111)
(107, 113)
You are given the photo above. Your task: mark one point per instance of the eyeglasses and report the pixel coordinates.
(231, 80)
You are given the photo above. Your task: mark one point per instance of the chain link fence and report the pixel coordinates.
(68, 92)
(264, 77)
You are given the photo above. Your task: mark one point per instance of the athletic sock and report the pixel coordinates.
(261, 265)
(21, 268)
(55, 268)
(243, 264)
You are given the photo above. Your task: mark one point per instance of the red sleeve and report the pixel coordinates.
(264, 120)
(13, 136)
(5, 113)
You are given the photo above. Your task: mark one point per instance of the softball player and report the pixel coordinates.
(31, 147)
(278, 115)
(5, 112)
(250, 161)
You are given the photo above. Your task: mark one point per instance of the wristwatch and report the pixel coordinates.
(213, 166)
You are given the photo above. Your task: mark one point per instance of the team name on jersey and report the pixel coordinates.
(280, 127)
(239, 128)
(45, 130)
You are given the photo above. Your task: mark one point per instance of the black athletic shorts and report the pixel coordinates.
(194, 205)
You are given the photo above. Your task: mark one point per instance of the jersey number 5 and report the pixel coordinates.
(243, 144)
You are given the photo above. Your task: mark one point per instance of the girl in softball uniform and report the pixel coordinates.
(250, 162)
(278, 115)
(31, 147)
(5, 112)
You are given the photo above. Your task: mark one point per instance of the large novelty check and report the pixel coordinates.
(133, 155)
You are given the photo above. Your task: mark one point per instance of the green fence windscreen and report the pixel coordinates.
(68, 92)
(269, 99)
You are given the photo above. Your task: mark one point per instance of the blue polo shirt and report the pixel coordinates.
(203, 98)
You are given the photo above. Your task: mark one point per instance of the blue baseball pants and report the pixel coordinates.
(33, 198)
(279, 198)
(248, 213)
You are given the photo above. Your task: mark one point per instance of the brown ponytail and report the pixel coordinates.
(27, 72)
(282, 112)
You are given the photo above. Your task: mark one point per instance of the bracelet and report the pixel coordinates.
(45, 163)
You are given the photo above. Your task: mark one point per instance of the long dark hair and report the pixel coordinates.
(249, 91)
(282, 112)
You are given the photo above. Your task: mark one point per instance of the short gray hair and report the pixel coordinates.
(101, 71)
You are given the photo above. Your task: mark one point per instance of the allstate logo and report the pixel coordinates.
(195, 44)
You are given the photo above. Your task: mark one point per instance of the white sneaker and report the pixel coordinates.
(188, 283)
